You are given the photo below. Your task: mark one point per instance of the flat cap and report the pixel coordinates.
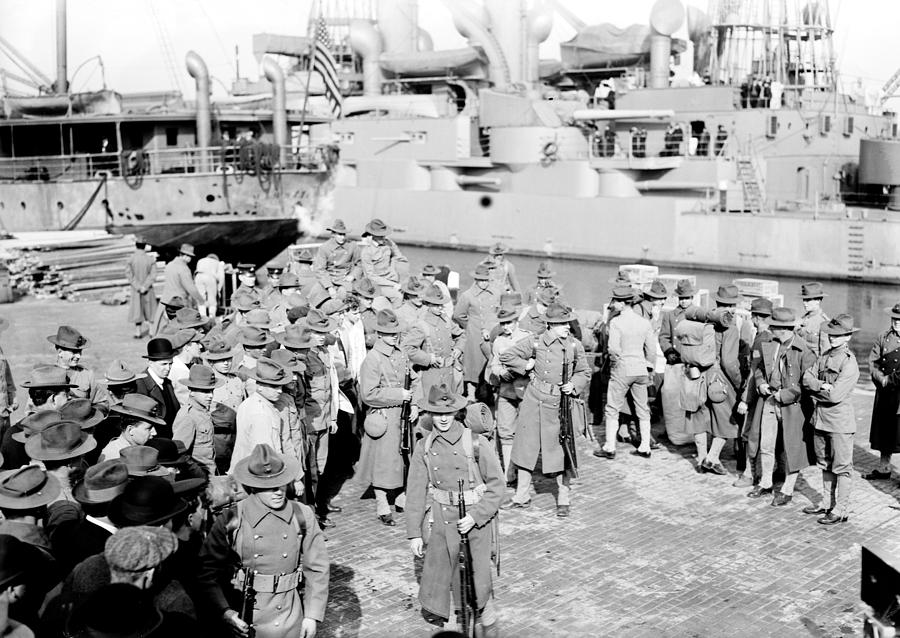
(139, 548)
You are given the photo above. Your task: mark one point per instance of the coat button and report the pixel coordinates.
(438, 482)
(257, 536)
(284, 536)
(284, 555)
(279, 608)
(255, 555)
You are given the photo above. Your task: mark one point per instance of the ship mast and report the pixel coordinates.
(61, 87)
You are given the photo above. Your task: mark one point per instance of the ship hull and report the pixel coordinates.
(854, 245)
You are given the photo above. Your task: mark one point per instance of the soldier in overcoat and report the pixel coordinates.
(140, 270)
(813, 319)
(537, 431)
(884, 435)
(435, 341)
(475, 311)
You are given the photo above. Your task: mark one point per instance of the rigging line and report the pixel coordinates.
(167, 52)
(225, 54)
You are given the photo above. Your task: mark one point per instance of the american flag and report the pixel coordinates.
(325, 65)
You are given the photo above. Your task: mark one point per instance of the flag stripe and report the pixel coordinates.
(324, 64)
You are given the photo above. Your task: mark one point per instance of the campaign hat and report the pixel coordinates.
(183, 337)
(386, 322)
(102, 482)
(59, 441)
(684, 288)
(119, 373)
(338, 226)
(511, 299)
(139, 407)
(318, 321)
(255, 337)
(288, 360)
(258, 318)
(35, 423)
(412, 286)
(782, 318)
(317, 295)
(175, 301)
(728, 294)
(69, 338)
(187, 249)
(498, 249)
(761, 306)
(506, 314)
(244, 301)
(657, 290)
(270, 372)
(264, 468)
(433, 294)
(430, 270)
(812, 290)
(146, 500)
(481, 273)
(364, 288)
(544, 270)
(296, 337)
(201, 378)
(894, 311)
(546, 295)
(189, 318)
(377, 228)
(288, 280)
(83, 411)
(159, 349)
(622, 293)
(218, 350)
(557, 313)
(28, 487)
(441, 400)
(304, 256)
(840, 326)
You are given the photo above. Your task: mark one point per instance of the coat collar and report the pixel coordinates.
(383, 348)
(255, 511)
(452, 435)
(548, 338)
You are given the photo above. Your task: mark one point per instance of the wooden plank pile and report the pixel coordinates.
(79, 266)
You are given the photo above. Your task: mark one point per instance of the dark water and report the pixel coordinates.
(586, 285)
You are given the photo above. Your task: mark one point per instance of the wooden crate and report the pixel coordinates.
(639, 273)
(750, 287)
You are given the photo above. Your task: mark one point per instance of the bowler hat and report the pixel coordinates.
(894, 311)
(146, 500)
(82, 411)
(296, 337)
(481, 273)
(35, 423)
(386, 322)
(186, 249)
(728, 294)
(364, 288)
(430, 270)
(544, 270)
(840, 326)
(69, 338)
(244, 301)
(377, 228)
(557, 313)
(318, 321)
(142, 460)
(441, 400)
(684, 288)
(338, 226)
(782, 318)
(479, 418)
(102, 482)
(288, 280)
(115, 610)
(498, 249)
(270, 372)
(288, 360)
(258, 318)
(218, 350)
(657, 290)
(59, 441)
(201, 378)
(189, 318)
(175, 301)
(169, 452)
(622, 293)
(119, 373)
(255, 337)
(159, 349)
(761, 306)
(812, 290)
(433, 294)
(505, 314)
(140, 407)
(412, 286)
(265, 468)
(27, 487)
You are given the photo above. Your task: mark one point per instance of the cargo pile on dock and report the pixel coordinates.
(79, 266)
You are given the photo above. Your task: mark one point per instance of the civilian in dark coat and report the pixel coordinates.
(884, 435)
(157, 385)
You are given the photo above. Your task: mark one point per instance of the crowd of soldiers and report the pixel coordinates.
(194, 495)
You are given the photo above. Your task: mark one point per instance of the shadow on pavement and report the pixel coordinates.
(343, 616)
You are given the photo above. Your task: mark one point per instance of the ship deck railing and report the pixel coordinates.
(149, 162)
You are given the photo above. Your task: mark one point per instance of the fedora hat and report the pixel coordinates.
(479, 418)
(304, 256)
(244, 301)
(840, 326)
(48, 376)
(142, 460)
(782, 318)
(183, 337)
(175, 301)
(18, 559)
(364, 288)
(386, 322)
(201, 378)
(265, 468)
(506, 314)
(187, 249)
(481, 273)
(318, 321)
(498, 249)
(270, 372)
(218, 350)
(894, 311)
(288, 280)
(544, 270)
(338, 226)
(622, 293)
(102, 482)
(146, 500)
(69, 338)
(116, 610)
(728, 294)
(159, 349)
(189, 318)
(119, 373)
(27, 487)
(35, 423)
(140, 407)
(169, 452)
(761, 306)
(296, 337)
(297, 313)
(430, 270)
(377, 228)
(412, 286)
(657, 290)
(558, 313)
(684, 288)
(258, 318)
(433, 294)
(812, 290)
(255, 337)
(82, 411)
(511, 299)
(275, 267)
(288, 360)
(441, 400)
(59, 441)
(546, 295)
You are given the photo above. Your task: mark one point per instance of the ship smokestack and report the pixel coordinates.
(62, 71)
(540, 23)
(366, 43)
(507, 24)
(398, 22)
(471, 22)
(666, 17)
(197, 68)
(275, 75)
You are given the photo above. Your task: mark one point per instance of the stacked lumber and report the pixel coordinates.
(69, 265)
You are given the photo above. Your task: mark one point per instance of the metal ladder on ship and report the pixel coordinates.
(750, 183)
(856, 259)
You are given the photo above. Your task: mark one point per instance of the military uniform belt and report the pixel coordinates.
(270, 583)
(545, 387)
(450, 497)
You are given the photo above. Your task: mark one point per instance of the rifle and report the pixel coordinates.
(406, 431)
(468, 603)
(248, 600)
(566, 436)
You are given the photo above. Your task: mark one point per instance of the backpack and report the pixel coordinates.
(696, 343)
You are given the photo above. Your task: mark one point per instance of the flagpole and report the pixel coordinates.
(310, 32)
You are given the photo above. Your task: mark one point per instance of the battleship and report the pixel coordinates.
(229, 176)
(754, 160)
